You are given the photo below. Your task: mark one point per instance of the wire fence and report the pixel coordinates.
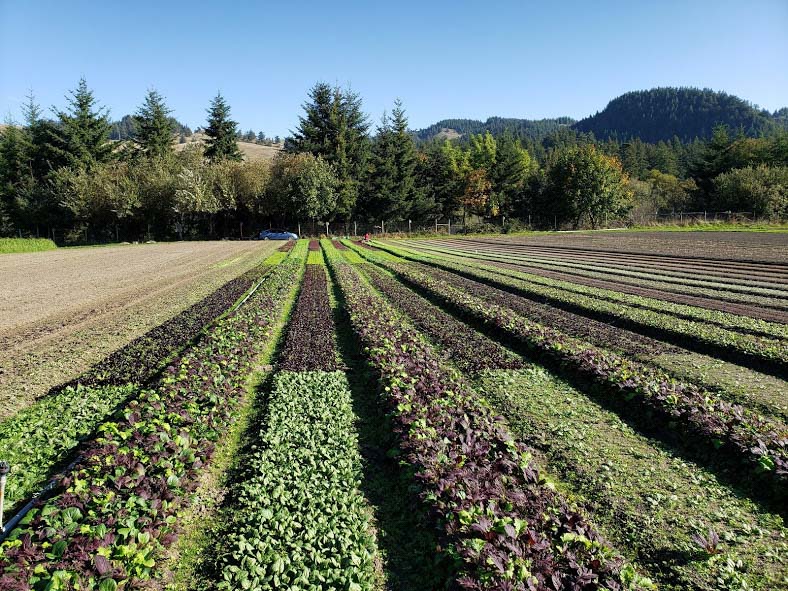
(444, 226)
(454, 226)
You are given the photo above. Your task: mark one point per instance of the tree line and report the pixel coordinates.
(65, 177)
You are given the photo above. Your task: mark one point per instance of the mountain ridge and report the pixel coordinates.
(653, 115)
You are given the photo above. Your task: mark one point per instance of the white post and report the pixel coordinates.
(436, 225)
(449, 226)
(326, 229)
(382, 227)
(408, 226)
(355, 229)
(5, 468)
(299, 229)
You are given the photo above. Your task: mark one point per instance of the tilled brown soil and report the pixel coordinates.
(62, 311)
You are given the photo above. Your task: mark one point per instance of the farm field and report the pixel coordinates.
(596, 411)
(64, 310)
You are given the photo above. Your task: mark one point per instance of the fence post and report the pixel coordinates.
(408, 226)
(450, 226)
(326, 229)
(704, 217)
(299, 229)
(355, 229)
(382, 227)
(436, 225)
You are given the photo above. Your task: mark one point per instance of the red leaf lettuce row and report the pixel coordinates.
(467, 348)
(310, 343)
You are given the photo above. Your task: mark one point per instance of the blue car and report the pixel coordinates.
(277, 235)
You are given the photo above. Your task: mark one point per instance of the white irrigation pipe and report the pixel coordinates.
(248, 295)
(5, 468)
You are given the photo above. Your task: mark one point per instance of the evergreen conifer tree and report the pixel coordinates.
(335, 127)
(222, 132)
(82, 138)
(154, 126)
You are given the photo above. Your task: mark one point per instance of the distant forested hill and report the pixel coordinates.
(523, 128)
(125, 129)
(659, 114)
(649, 115)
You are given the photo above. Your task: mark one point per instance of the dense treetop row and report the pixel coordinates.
(66, 178)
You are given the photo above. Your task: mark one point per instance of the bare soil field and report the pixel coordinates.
(62, 311)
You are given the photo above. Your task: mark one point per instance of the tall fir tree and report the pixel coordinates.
(413, 203)
(335, 127)
(377, 201)
(222, 143)
(154, 126)
(81, 140)
(392, 193)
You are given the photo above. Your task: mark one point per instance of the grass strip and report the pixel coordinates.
(17, 245)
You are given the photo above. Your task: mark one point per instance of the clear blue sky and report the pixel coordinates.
(443, 59)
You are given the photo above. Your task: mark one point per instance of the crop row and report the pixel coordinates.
(594, 331)
(504, 527)
(722, 319)
(694, 279)
(761, 307)
(309, 345)
(42, 437)
(727, 268)
(769, 353)
(763, 443)
(297, 519)
(118, 509)
(766, 309)
(467, 348)
(139, 360)
(287, 246)
(338, 245)
(314, 245)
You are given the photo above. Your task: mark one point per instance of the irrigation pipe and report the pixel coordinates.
(248, 295)
(42, 494)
